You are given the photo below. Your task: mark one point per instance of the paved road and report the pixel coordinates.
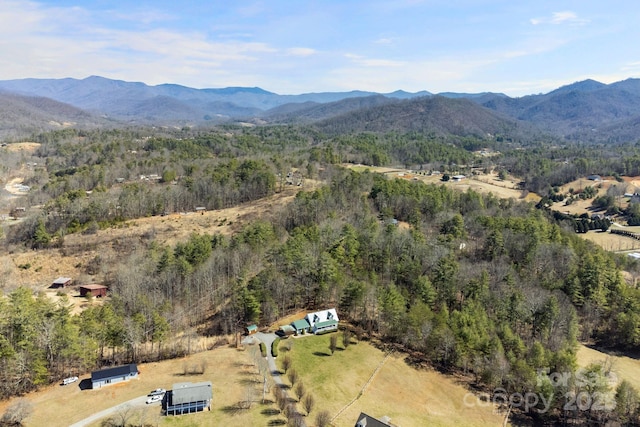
(267, 339)
(133, 403)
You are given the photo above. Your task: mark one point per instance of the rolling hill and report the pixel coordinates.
(586, 111)
(24, 115)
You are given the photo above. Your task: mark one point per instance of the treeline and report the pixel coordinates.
(488, 286)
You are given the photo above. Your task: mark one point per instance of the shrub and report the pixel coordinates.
(263, 349)
(274, 347)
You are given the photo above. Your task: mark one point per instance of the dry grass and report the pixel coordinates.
(408, 396)
(230, 371)
(27, 147)
(485, 184)
(625, 367)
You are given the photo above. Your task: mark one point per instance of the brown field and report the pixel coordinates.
(625, 367)
(28, 147)
(418, 398)
(38, 269)
(489, 183)
(409, 397)
(229, 369)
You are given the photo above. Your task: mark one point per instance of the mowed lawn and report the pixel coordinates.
(230, 371)
(408, 396)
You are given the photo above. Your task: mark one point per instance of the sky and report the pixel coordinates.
(516, 47)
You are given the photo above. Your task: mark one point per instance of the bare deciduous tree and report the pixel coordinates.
(286, 363)
(293, 376)
(17, 412)
(333, 343)
(346, 338)
(300, 390)
(323, 418)
(308, 403)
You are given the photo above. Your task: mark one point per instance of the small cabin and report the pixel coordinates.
(62, 282)
(251, 329)
(96, 291)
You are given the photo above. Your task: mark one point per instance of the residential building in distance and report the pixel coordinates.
(188, 397)
(113, 375)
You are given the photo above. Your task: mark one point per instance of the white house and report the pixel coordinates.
(323, 321)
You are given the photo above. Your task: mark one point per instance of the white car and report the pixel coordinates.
(69, 380)
(158, 391)
(153, 399)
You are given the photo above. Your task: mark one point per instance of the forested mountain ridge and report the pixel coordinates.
(586, 111)
(24, 115)
(497, 289)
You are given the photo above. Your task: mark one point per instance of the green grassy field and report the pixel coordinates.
(408, 396)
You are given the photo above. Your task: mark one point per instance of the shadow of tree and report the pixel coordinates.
(235, 409)
(270, 412)
(277, 422)
(321, 354)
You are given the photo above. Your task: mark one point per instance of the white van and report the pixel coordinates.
(69, 380)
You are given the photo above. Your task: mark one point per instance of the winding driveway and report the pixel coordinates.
(133, 403)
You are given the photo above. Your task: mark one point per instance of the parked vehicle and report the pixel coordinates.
(69, 380)
(156, 392)
(155, 398)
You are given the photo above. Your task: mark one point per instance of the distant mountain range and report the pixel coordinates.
(587, 111)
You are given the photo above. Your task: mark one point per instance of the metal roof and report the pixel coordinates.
(365, 420)
(191, 392)
(117, 371)
(325, 324)
(94, 286)
(300, 324)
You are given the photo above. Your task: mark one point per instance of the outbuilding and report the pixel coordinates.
(62, 282)
(113, 375)
(96, 291)
(301, 326)
(187, 397)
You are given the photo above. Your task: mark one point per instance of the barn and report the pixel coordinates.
(96, 291)
(187, 397)
(113, 375)
(62, 282)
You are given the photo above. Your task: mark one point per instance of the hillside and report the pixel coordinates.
(20, 115)
(586, 111)
(430, 115)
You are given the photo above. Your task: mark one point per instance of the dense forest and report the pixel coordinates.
(495, 288)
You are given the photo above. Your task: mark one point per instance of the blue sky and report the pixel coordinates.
(297, 46)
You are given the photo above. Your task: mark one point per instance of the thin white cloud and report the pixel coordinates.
(558, 18)
(384, 41)
(373, 62)
(301, 51)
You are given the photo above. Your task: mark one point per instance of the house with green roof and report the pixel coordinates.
(301, 326)
(323, 321)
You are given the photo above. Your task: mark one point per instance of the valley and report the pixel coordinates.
(476, 252)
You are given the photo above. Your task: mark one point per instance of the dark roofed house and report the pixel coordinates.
(365, 420)
(93, 290)
(113, 375)
(61, 282)
(188, 397)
